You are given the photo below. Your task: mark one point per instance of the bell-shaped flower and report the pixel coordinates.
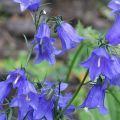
(114, 5)
(49, 85)
(113, 34)
(115, 80)
(3, 116)
(4, 91)
(63, 101)
(95, 98)
(44, 48)
(68, 35)
(46, 51)
(16, 77)
(45, 109)
(25, 103)
(31, 5)
(26, 87)
(99, 63)
(43, 31)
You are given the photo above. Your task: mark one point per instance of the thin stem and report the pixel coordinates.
(35, 21)
(29, 56)
(38, 20)
(10, 114)
(73, 62)
(75, 94)
(117, 100)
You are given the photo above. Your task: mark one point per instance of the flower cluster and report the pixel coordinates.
(43, 42)
(31, 103)
(104, 65)
(44, 48)
(48, 100)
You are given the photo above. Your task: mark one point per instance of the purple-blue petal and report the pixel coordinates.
(113, 34)
(68, 36)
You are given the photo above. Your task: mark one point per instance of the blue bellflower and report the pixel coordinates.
(95, 98)
(4, 91)
(16, 77)
(25, 103)
(113, 35)
(26, 87)
(43, 31)
(45, 109)
(48, 85)
(63, 101)
(99, 63)
(3, 116)
(114, 5)
(44, 48)
(115, 80)
(46, 51)
(68, 36)
(116, 65)
(31, 5)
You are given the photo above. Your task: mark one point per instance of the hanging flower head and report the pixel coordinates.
(44, 48)
(99, 63)
(95, 98)
(4, 91)
(114, 5)
(31, 5)
(16, 77)
(25, 103)
(3, 116)
(68, 36)
(113, 35)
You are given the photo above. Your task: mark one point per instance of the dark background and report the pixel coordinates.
(13, 23)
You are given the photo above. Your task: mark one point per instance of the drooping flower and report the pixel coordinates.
(3, 116)
(25, 103)
(115, 65)
(115, 80)
(26, 87)
(44, 48)
(31, 5)
(54, 94)
(63, 101)
(68, 36)
(95, 98)
(45, 51)
(114, 5)
(4, 91)
(16, 77)
(48, 85)
(99, 63)
(45, 109)
(113, 35)
(43, 31)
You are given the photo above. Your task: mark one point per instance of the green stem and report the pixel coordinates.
(75, 94)
(35, 21)
(73, 62)
(117, 100)
(10, 114)
(38, 20)
(29, 56)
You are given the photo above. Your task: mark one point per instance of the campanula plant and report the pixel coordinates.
(96, 98)
(52, 100)
(115, 6)
(31, 5)
(68, 36)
